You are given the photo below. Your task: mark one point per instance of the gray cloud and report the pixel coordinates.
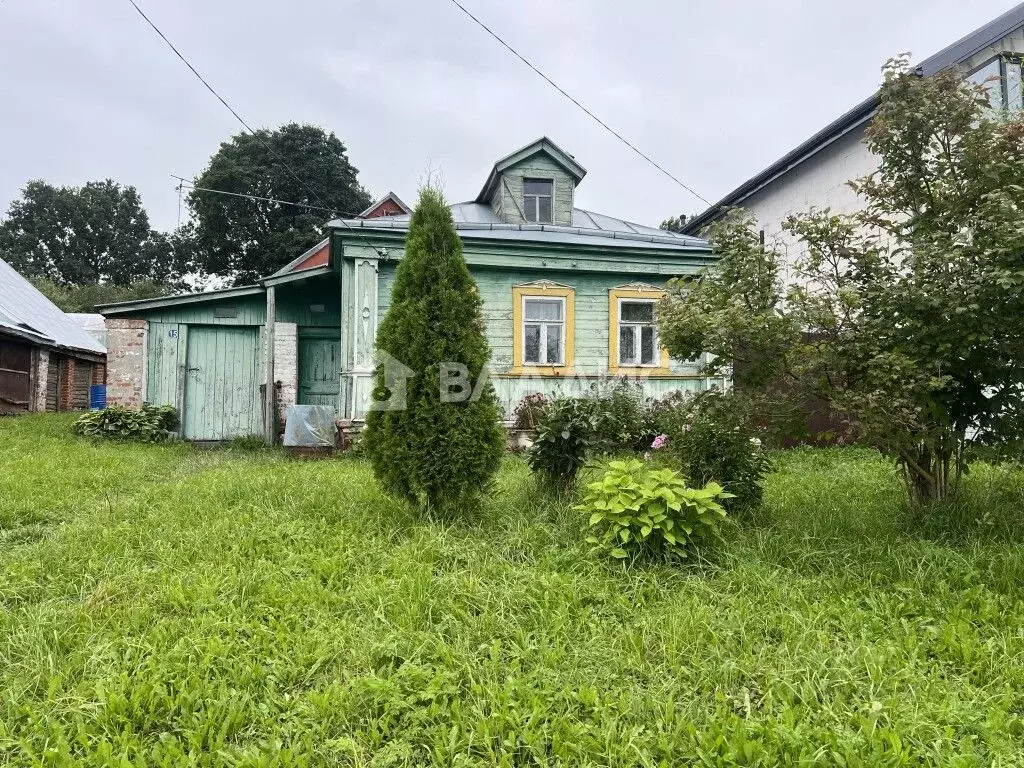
(713, 92)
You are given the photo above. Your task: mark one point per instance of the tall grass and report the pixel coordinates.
(232, 608)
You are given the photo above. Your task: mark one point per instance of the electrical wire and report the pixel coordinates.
(248, 128)
(192, 185)
(223, 101)
(562, 91)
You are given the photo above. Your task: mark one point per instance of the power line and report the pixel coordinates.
(223, 101)
(562, 91)
(191, 185)
(247, 127)
(182, 180)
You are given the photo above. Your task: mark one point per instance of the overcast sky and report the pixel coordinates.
(712, 91)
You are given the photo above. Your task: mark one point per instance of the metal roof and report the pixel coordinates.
(25, 312)
(158, 302)
(478, 221)
(949, 56)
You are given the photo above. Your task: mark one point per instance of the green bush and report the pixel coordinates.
(150, 424)
(565, 436)
(637, 510)
(621, 419)
(712, 437)
(428, 443)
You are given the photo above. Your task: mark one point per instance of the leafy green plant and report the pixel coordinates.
(712, 437)
(565, 436)
(149, 424)
(643, 511)
(621, 421)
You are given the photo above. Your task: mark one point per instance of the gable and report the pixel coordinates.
(542, 160)
(507, 200)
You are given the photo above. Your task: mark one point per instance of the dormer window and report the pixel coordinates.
(537, 200)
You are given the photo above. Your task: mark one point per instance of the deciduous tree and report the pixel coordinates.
(244, 238)
(75, 236)
(907, 316)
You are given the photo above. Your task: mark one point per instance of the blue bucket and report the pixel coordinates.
(97, 397)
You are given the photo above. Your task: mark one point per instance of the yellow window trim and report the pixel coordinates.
(614, 296)
(543, 291)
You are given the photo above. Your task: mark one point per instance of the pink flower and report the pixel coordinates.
(659, 442)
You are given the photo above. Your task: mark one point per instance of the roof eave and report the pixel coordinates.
(950, 56)
(160, 302)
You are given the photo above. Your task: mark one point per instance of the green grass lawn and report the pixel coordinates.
(163, 605)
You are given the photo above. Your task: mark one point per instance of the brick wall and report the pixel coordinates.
(286, 366)
(126, 362)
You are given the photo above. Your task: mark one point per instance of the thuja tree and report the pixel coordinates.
(434, 436)
(907, 317)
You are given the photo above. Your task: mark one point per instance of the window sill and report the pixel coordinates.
(640, 370)
(557, 371)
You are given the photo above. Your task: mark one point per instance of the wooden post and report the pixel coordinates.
(269, 398)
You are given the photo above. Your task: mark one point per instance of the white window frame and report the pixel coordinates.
(656, 362)
(536, 201)
(1005, 59)
(543, 330)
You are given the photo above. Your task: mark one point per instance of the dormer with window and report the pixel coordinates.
(534, 185)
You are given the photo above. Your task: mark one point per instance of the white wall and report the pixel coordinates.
(821, 180)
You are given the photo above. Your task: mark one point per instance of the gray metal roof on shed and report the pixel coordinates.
(478, 221)
(949, 56)
(26, 312)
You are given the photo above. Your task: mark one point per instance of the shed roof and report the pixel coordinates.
(26, 312)
(478, 221)
(949, 56)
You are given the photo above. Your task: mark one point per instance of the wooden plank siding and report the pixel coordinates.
(591, 319)
(222, 383)
(15, 377)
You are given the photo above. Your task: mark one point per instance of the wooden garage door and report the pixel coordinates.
(221, 383)
(15, 377)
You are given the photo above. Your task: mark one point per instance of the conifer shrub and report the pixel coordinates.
(433, 435)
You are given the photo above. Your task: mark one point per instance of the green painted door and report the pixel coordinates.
(320, 370)
(221, 383)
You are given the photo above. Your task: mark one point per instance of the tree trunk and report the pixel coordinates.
(932, 472)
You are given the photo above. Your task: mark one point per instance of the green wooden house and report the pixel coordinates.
(569, 298)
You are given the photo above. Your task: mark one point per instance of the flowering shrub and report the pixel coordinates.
(711, 436)
(621, 420)
(641, 511)
(565, 436)
(527, 414)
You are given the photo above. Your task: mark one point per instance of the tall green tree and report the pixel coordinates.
(75, 236)
(86, 298)
(907, 317)
(674, 223)
(246, 239)
(434, 438)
